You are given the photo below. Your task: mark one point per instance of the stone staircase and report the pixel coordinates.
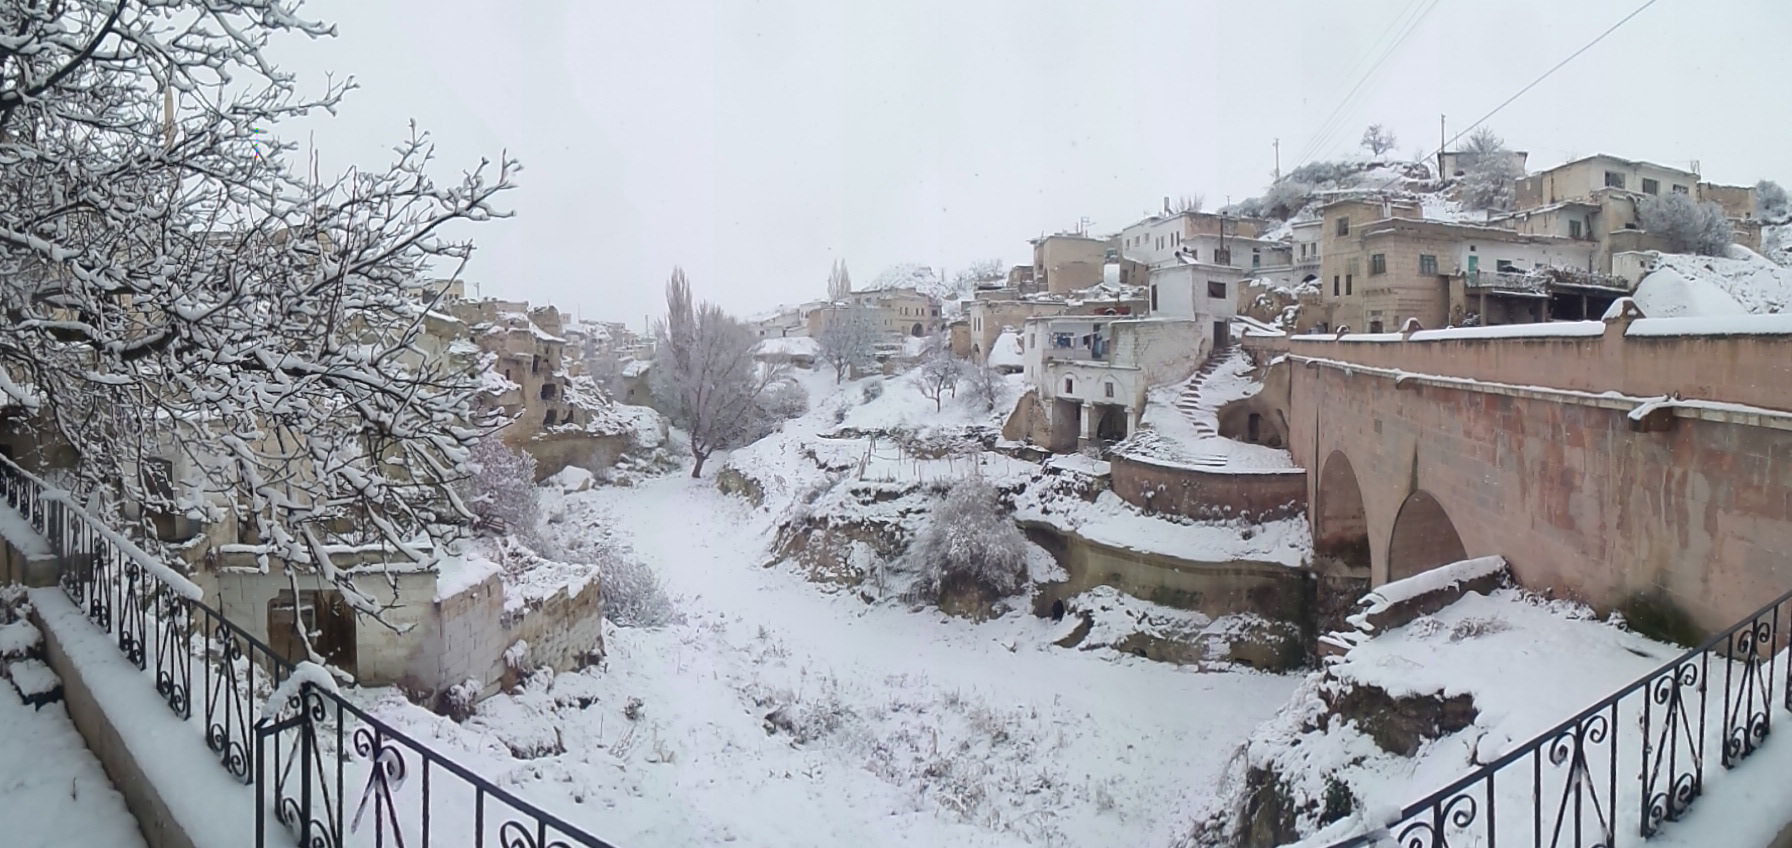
(1201, 413)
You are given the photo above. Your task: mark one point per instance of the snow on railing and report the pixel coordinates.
(264, 717)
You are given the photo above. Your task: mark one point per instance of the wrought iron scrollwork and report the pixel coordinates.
(1673, 754)
(385, 775)
(1456, 813)
(1746, 717)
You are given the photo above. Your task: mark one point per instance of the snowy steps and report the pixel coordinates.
(33, 681)
(1199, 413)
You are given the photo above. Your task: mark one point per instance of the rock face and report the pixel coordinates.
(1269, 812)
(1402, 725)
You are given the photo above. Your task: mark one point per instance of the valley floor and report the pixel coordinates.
(777, 713)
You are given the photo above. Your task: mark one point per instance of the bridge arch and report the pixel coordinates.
(1341, 530)
(1423, 538)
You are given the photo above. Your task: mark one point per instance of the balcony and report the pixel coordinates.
(1541, 281)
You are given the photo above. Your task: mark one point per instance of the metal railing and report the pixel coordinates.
(212, 672)
(1592, 780)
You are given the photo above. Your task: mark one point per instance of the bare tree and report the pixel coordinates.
(1378, 139)
(1685, 225)
(177, 292)
(839, 282)
(986, 385)
(848, 340)
(706, 379)
(1490, 171)
(939, 372)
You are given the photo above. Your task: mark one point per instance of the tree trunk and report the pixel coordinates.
(697, 467)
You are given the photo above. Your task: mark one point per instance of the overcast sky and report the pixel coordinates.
(755, 143)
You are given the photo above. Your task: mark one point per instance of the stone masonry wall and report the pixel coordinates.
(1205, 494)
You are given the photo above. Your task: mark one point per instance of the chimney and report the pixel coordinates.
(1166, 204)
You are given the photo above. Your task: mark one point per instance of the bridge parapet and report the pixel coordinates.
(1744, 360)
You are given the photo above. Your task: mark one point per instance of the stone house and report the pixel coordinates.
(1381, 263)
(558, 417)
(896, 313)
(1067, 262)
(1088, 375)
(991, 313)
(1595, 199)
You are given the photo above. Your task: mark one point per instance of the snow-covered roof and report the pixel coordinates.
(787, 346)
(1005, 350)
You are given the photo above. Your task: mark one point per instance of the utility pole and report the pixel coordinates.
(1441, 144)
(1277, 144)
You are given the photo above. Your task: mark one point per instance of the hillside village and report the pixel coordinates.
(1433, 500)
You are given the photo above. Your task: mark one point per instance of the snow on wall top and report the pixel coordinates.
(1434, 580)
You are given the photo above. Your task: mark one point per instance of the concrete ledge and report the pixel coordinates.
(180, 794)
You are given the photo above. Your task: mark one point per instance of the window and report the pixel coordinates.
(1427, 263)
(1651, 186)
(1256, 258)
(1222, 256)
(536, 367)
(1679, 189)
(1347, 282)
(1378, 263)
(1154, 298)
(1334, 285)
(1574, 229)
(547, 391)
(548, 419)
(1374, 326)
(1216, 288)
(1069, 386)
(1107, 389)
(1613, 179)
(1343, 226)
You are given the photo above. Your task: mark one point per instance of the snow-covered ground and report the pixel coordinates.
(1527, 663)
(886, 726)
(52, 791)
(1743, 282)
(780, 712)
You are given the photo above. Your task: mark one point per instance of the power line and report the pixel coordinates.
(1361, 65)
(1333, 122)
(1533, 83)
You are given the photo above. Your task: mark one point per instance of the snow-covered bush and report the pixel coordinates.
(970, 541)
(871, 390)
(632, 593)
(1771, 202)
(784, 401)
(501, 489)
(1686, 225)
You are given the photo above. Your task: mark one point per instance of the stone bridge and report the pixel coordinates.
(1637, 464)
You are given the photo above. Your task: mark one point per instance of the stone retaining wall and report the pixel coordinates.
(1194, 493)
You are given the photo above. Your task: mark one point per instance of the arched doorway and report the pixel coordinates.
(915, 331)
(1424, 537)
(1342, 529)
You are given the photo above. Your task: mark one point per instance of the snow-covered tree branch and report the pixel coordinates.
(177, 294)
